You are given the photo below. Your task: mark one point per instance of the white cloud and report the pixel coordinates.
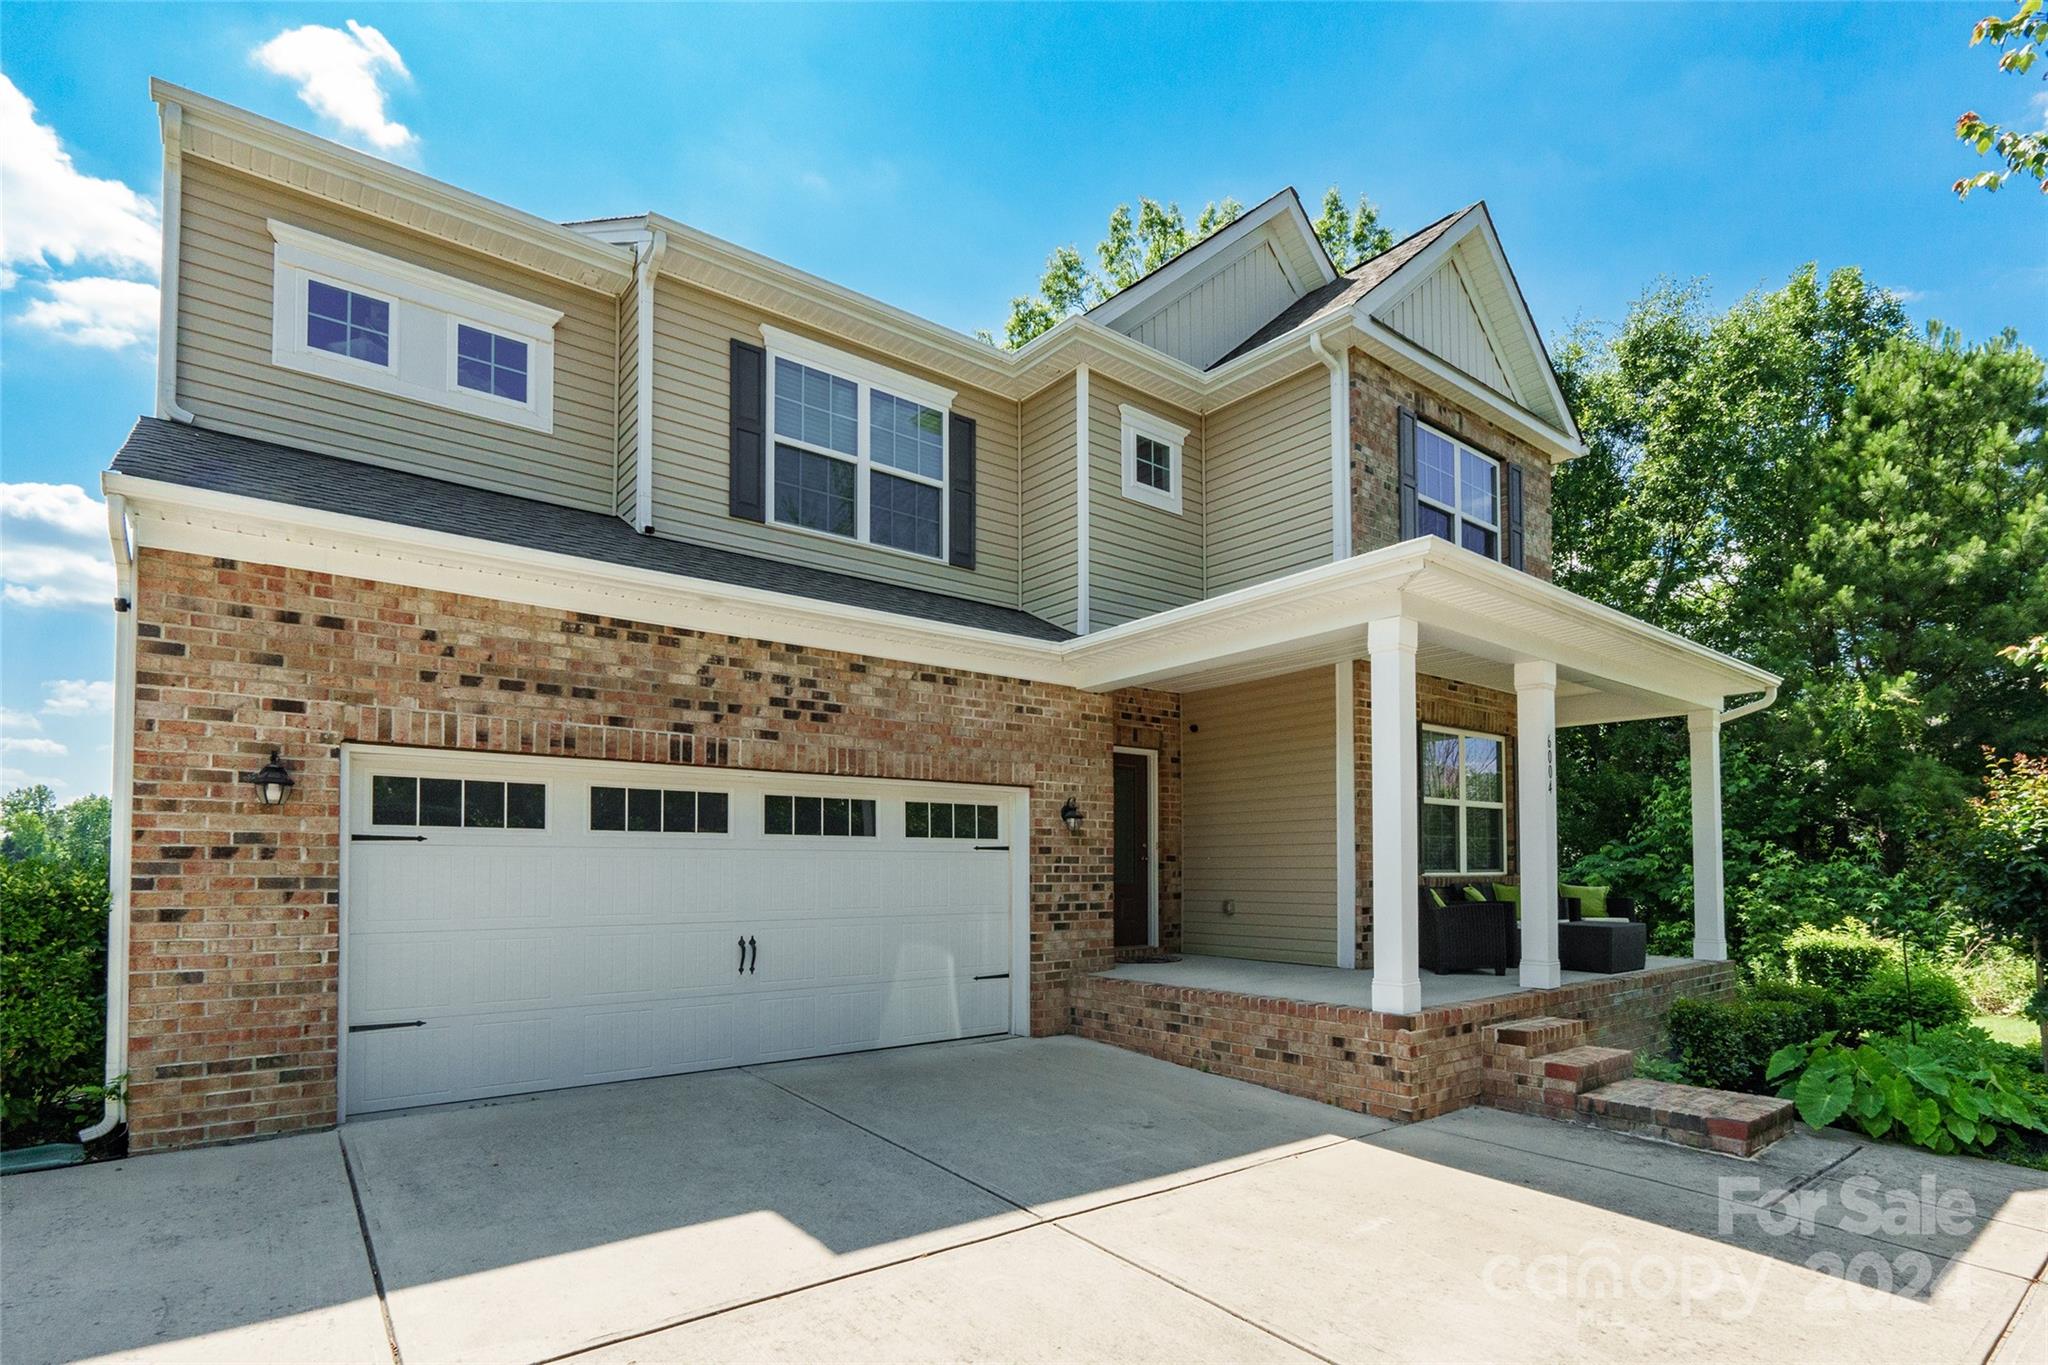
(57, 216)
(14, 722)
(76, 697)
(53, 546)
(20, 744)
(10, 778)
(340, 77)
(95, 311)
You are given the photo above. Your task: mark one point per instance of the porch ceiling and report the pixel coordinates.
(1475, 620)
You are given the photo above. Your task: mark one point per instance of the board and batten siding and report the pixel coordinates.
(1268, 473)
(1438, 316)
(225, 375)
(1141, 559)
(1203, 324)
(693, 333)
(1259, 819)
(1048, 530)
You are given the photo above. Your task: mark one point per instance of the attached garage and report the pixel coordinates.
(512, 924)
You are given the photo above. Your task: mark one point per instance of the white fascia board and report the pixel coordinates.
(1282, 207)
(601, 265)
(1388, 345)
(1317, 609)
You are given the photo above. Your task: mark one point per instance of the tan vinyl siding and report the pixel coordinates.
(225, 374)
(1203, 324)
(1141, 558)
(1049, 532)
(1438, 316)
(1269, 483)
(694, 330)
(1259, 819)
(628, 484)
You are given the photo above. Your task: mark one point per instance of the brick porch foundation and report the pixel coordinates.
(1396, 1066)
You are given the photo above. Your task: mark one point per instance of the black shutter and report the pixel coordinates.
(1406, 424)
(1513, 557)
(960, 480)
(748, 493)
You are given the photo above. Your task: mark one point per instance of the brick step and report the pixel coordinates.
(1551, 1084)
(1712, 1120)
(1523, 1038)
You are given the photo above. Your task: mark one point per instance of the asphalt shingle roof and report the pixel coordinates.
(179, 453)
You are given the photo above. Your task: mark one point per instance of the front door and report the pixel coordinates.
(1133, 851)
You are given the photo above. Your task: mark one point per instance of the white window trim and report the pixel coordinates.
(422, 301)
(1137, 422)
(1462, 803)
(866, 376)
(1459, 449)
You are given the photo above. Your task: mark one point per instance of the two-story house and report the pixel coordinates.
(553, 653)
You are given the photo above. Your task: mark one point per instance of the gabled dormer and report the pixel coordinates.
(1198, 306)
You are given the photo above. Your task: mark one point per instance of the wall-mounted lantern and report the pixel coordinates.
(272, 781)
(1071, 814)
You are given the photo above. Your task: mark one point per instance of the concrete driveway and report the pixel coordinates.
(1011, 1200)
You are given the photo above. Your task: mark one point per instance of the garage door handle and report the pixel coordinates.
(743, 953)
(388, 838)
(991, 848)
(757, 953)
(379, 1028)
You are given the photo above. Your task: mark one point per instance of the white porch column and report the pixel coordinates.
(1536, 818)
(1709, 914)
(1396, 818)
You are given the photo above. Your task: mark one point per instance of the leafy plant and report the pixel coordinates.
(1822, 1006)
(2024, 154)
(53, 918)
(1953, 1090)
(2002, 867)
(1839, 960)
(1928, 998)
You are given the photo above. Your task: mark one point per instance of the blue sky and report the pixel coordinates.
(932, 155)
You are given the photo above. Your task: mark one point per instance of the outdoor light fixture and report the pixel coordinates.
(1071, 813)
(271, 781)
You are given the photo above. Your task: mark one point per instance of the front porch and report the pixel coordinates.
(1312, 1031)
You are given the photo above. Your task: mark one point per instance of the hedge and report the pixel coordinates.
(53, 976)
(1883, 1005)
(1834, 960)
(1727, 1044)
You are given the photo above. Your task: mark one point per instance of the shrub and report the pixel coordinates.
(1654, 1068)
(1996, 979)
(1727, 1044)
(53, 920)
(1883, 1004)
(1823, 1008)
(1952, 1090)
(1838, 960)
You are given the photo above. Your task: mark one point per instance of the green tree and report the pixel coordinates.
(1133, 245)
(2023, 153)
(34, 827)
(2003, 867)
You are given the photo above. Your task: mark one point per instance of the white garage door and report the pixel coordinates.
(526, 924)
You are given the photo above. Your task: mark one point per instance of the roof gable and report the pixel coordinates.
(1211, 296)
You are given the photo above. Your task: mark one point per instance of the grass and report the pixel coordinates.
(2010, 1028)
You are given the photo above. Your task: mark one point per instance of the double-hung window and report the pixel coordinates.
(1458, 492)
(1464, 802)
(859, 450)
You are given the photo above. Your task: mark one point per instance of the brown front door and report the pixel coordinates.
(1133, 851)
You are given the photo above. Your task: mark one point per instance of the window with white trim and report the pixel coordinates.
(1457, 492)
(1464, 802)
(1153, 467)
(358, 317)
(859, 451)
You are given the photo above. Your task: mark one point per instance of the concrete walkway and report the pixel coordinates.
(1012, 1200)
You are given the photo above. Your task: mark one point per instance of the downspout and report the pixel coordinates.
(120, 852)
(1082, 457)
(172, 117)
(1751, 707)
(1340, 444)
(643, 396)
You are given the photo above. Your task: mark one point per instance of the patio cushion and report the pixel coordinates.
(1473, 893)
(1436, 897)
(1592, 900)
(1503, 891)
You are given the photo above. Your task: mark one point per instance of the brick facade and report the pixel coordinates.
(234, 949)
(1396, 1066)
(1377, 396)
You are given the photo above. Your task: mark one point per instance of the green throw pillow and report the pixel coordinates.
(1502, 891)
(1473, 893)
(1436, 897)
(1592, 900)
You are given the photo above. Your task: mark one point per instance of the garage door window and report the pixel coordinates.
(649, 810)
(453, 803)
(820, 815)
(948, 820)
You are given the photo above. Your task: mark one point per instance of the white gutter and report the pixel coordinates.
(1751, 708)
(643, 396)
(120, 854)
(1081, 500)
(1400, 352)
(172, 118)
(1340, 444)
